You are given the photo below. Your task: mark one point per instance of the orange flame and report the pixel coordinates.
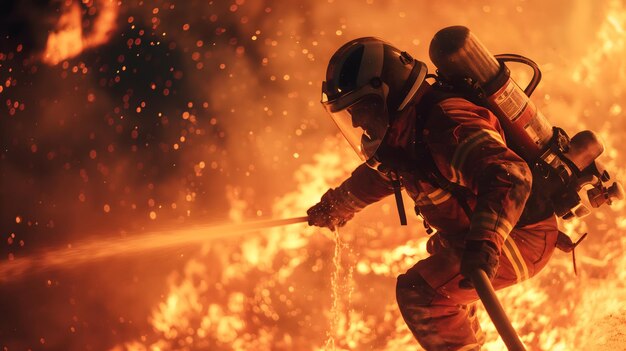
(69, 39)
(303, 291)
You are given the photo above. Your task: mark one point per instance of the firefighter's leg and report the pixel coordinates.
(436, 309)
(437, 322)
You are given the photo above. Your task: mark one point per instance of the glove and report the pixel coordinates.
(332, 211)
(478, 254)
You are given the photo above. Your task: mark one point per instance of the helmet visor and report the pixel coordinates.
(363, 122)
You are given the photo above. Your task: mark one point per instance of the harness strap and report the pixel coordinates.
(397, 192)
(429, 170)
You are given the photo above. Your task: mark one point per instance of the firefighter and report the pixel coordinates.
(451, 156)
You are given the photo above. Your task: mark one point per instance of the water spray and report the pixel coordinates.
(98, 249)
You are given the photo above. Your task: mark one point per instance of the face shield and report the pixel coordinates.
(362, 118)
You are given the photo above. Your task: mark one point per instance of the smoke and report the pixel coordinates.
(171, 113)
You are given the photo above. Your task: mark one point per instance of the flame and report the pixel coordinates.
(70, 39)
(610, 44)
(301, 290)
(268, 292)
(310, 290)
(249, 296)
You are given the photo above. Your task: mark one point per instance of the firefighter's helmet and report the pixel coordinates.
(367, 82)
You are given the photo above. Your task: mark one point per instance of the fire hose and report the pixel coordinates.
(489, 299)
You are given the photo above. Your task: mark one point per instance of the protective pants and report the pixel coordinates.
(440, 315)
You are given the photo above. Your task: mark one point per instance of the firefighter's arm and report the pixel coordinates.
(337, 206)
(478, 158)
(503, 185)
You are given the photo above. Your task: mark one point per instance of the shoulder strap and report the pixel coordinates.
(429, 170)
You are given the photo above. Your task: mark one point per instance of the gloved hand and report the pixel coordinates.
(478, 254)
(332, 211)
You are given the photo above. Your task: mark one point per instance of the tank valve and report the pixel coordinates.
(599, 195)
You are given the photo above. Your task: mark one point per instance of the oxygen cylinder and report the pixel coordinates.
(459, 55)
(566, 165)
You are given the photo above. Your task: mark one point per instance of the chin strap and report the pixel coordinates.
(397, 191)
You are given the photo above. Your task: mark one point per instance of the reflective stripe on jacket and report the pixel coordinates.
(468, 147)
